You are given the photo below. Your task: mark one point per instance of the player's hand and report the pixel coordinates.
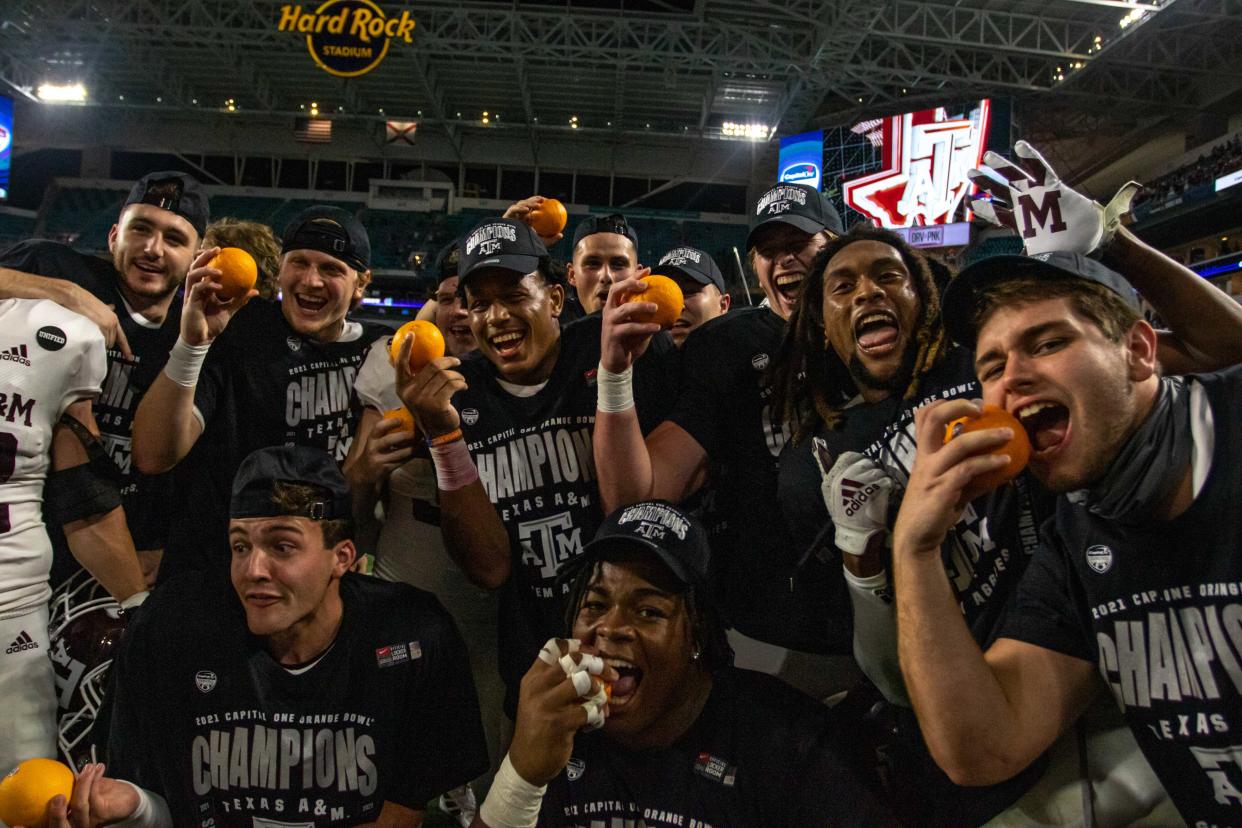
(856, 491)
(81, 301)
(935, 492)
(96, 800)
(520, 211)
(203, 314)
(429, 393)
(561, 693)
(623, 338)
(1048, 214)
(387, 449)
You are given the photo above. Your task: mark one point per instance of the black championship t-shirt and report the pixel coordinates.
(205, 717)
(724, 403)
(984, 554)
(536, 461)
(1158, 608)
(145, 497)
(262, 384)
(760, 754)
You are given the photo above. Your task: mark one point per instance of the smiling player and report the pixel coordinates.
(276, 374)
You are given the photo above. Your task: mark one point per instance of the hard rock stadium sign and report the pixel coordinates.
(347, 38)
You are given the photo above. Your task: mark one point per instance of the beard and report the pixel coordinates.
(893, 385)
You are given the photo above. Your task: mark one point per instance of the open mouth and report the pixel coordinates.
(624, 688)
(149, 267)
(787, 284)
(310, 304)
(507, 344)
(1047, 425)
(876, 332)
(461, 331)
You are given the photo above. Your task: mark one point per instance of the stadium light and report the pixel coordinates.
(753, 132)
(62, 93)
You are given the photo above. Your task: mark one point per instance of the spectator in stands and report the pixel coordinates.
(702, 285)
(257, 240)
(359, 688)
(133, 299)
(241, 378)
(684, 738)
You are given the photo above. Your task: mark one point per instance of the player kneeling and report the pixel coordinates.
(685, 739)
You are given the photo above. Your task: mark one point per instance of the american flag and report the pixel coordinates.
(313, 130)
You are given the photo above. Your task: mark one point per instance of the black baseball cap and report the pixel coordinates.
(500, 243)
(175, 192)
(802, 206)
(254, 483)
(960, 303)
(655, 526)
(693, 264)
(329, 230)
(447, 261)
(612, 223)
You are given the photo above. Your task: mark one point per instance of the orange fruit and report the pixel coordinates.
(401, 415)
(25, 792)
(428, 343)
(548, 218)
(666, 294)
(238, 272)
(1018, 447)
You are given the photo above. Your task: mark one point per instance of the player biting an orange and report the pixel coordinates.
(694, 735)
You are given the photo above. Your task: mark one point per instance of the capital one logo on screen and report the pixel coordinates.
(926, 158)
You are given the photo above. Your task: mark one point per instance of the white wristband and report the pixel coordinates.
(512, 802)
(135, 600)
(455, 467)
(184, 362)
(152, 811)
(614, 392)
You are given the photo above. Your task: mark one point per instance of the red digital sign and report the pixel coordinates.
(926, 157)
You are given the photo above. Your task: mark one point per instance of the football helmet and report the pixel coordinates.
(85, 626)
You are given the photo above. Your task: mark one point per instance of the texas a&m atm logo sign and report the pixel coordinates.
(926, 158)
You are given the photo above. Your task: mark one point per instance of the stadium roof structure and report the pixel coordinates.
(631, 69)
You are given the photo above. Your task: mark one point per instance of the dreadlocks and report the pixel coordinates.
(808, 377)
(707, 626)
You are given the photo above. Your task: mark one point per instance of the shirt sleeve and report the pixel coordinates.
(213, 380)
(376, 382)
(1044, 611)
(88, 366)
(702, 397)
(127, 754)
(41, 257)
(444, 746)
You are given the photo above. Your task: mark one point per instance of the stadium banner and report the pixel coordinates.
(6, 144)
(801, 159)
(346, 38)
(926, 157)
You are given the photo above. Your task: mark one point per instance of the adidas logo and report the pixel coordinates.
(15, 354)
(849, 490)
(22, 642)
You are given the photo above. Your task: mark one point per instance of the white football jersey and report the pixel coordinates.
(49, 358)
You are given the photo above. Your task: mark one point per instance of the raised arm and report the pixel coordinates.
(1205, 324)
(165, 428)
(670, 464)
(473, 533)
(984, 717)
(380, 447)
(95, 527)
(17, 285)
